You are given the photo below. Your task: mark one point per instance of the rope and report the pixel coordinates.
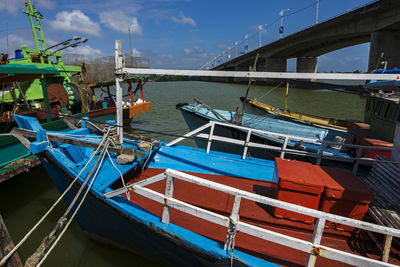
(104, 91)
(77, 208)
(230, 239)
(279, 84)
(128, 196)
(87, 178)
(151, 149)
(94, 125)
(52, 239)
(51, 208)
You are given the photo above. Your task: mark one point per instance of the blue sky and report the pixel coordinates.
(175, 33)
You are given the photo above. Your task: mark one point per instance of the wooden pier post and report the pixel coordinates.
(6, 245)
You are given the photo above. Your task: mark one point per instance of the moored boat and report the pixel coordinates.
(37, 83)
(16, 158)
(253, 106)
(212, 207)
(380, 115)
(130, 108)
(185, 206)
(301, 137)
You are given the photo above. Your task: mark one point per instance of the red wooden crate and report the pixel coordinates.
(344, 194)
(297, 184)
(370, 153)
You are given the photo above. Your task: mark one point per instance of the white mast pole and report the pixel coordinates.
(118, 68)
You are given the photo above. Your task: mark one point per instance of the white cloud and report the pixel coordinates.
(75, 21)
(14, 42)
(191, 58)
(119, 21)
(183, 20)
(15, 6)
(81, 53)
(346, 59)
(45, 4)
(135, 52)
(86, 50)
(159, 60)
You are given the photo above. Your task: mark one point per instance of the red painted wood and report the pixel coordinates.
(370, 153)
(298, 184)
(344, 194)
(250, 212)
(131, 93)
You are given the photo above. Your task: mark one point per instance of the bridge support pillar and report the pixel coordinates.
(273, 64)
(307, 64)
(383, 48)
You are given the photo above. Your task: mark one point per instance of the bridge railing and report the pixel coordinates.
(223, 60)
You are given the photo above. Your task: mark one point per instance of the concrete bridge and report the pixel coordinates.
(378, 23)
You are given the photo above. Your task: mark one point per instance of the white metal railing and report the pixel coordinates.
(313, 248)
(260, 74)
(283, 147)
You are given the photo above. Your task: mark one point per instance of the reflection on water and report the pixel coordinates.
(25, 198)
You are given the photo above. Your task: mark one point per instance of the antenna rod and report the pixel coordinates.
(130, 45)
(8, 52)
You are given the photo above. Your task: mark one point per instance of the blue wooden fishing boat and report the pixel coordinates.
(190, 206)
(187, 206)
(304, 137)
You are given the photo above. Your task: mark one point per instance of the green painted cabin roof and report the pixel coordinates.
(18, 72)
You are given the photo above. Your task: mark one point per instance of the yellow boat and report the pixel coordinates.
(256, 107)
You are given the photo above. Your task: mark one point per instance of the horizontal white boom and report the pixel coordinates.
(269, 75)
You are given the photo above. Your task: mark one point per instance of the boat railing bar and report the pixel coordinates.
(189, 134)
(357, 160)
(283, 150)
(313, 248)
(277, 135)
(297, 138)
(262, 75)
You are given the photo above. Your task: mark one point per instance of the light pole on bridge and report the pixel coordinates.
(260, 28)
(281, 14)
(246, 47)
(236, 45)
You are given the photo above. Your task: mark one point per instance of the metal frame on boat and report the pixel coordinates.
(233, 221)
(283, 148)
(121, 70)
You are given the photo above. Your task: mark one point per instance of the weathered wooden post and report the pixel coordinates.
(396, 143)
(6, 245)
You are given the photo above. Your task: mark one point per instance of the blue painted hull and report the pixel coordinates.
(14, 150)
(107, 224)
(119, 222)
(133, 224)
